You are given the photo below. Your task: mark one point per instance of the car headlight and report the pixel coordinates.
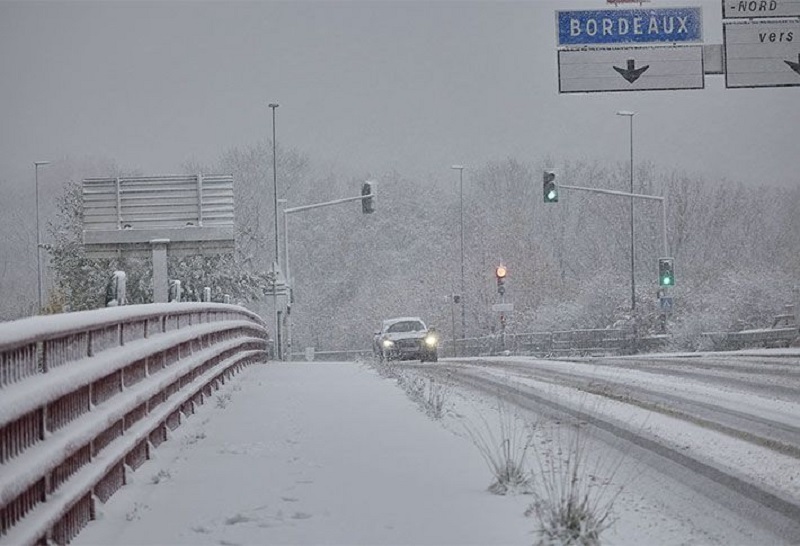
(388, 343)
(431, 340)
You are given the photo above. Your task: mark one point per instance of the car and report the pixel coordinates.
(406, 338)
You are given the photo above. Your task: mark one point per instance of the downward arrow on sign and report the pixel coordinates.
(632, 73)
(794, 66)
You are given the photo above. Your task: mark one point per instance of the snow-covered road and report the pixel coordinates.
(335, 453)
(733, 430)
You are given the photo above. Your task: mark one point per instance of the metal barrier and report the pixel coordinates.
(86, 396)
(560, 343)
(730, 341)
(541, 344)
(784, 333)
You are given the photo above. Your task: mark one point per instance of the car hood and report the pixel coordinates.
(394, 336)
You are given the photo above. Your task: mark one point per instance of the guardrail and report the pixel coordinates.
(542, 344)
(559, 343)
(768, 337)
(86, 396)
(784, 333)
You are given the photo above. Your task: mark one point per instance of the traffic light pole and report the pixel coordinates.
(636, 196)
(663, 230)
(286, 213)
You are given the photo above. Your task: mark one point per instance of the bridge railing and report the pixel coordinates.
(556, 343)
(783, 333)
(766, 337)
(85, 397)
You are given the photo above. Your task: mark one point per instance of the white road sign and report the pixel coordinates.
(630, 69)
(762, 53)
(760, 8)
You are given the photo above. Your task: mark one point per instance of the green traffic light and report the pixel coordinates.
(549, 186)
(666, 273)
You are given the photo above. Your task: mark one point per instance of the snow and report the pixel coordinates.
(32, 392)
(738, 456)
(333, 453)
(311, 454)
(37, 327)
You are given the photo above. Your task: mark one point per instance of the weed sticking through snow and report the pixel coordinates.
(504, 448)
(431, 396)
(428, 394)
(570, 505)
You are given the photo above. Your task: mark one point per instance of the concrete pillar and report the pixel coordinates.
(160, 281)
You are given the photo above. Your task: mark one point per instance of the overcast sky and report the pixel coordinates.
(374, 86)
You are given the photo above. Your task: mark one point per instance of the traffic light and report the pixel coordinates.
(500, 273)
(550, 189)
(368, 201)
(666, 272)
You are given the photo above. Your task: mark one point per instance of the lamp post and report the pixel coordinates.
(460, 169)
(630, 115)
(287, 276)
(36, 165)
(273, 106)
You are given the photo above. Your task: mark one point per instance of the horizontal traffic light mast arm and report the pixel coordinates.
(613, 192)
(638, 196)
(327, 203)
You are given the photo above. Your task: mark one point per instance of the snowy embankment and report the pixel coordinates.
(313, 453)
(778, 471)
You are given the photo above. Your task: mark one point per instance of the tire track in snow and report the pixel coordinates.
(751, 501)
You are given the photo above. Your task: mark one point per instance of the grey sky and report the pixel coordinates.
(375, 86)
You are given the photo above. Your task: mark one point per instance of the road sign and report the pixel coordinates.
(630, 69)
(762, 53)
(627, 26)
(195, 213)
(665, 304)
(503, 307)
(732, 9)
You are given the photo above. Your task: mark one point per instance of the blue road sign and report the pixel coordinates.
(605, 27)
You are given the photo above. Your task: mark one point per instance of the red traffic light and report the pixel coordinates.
(500, 272)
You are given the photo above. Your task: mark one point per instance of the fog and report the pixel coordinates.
(377, 86)
(399, 92)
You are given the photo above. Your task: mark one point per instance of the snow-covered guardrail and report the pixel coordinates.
(85, 396)
(766, 337)
(560, 343)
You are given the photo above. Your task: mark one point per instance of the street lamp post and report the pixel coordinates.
(630, 115)
(278, 355)
(287, 276)
(460, 169)
(36, 165)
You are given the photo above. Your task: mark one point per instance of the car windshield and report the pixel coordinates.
(406, 326)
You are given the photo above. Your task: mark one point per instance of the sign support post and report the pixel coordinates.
(160, 281)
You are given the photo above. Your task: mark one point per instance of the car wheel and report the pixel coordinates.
(434, 357)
